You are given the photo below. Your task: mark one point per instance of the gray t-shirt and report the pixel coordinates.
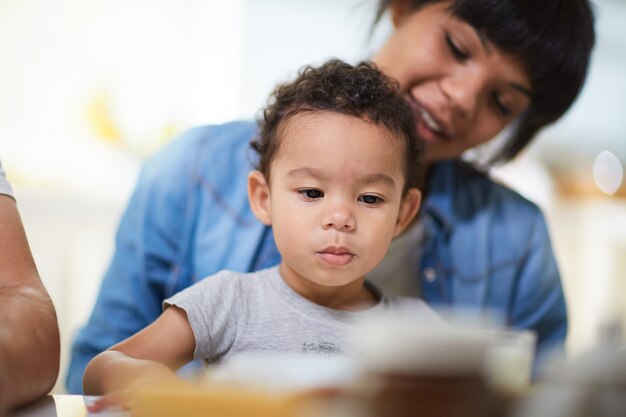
(397, 274)
(232, 312)
(5, 187)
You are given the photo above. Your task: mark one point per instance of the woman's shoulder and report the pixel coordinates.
(472, 190)
(486, 221)
(219, 143)
(212, 154)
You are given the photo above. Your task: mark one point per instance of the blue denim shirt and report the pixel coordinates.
(189, 217)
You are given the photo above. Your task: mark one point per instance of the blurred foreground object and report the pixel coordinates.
(404, 370)
(444, 372)
(222, 401)
(255, 384)
(593, 384)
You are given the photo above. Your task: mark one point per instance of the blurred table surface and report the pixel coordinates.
(62, 406)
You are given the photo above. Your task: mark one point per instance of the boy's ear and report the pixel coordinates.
(408, 210)
(259, 197)
(400, 9)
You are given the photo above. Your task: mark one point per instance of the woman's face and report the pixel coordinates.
(462, 89)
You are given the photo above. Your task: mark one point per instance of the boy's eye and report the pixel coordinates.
(370, 199)
(311, 194)
(455, 49)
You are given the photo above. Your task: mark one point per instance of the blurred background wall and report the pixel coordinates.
(88, 90)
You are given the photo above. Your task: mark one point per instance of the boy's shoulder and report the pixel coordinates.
(239, 281)
(226, 287)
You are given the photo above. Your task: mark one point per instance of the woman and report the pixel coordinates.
(469, 68)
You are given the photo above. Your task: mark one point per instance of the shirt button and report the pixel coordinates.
(429, 274)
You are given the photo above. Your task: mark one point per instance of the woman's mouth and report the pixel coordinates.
(428, 127)
(431, 123)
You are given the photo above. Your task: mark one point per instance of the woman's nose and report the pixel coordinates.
(463, 91)
(339, 217)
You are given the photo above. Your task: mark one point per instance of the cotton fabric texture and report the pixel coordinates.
(485, 247)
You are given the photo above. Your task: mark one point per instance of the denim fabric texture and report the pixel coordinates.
(189, 218)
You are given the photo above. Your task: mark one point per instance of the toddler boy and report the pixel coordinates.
(337, 178)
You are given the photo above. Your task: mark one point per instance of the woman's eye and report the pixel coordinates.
(370, 199)
(502, 107)
(311, 194)
(456, 50)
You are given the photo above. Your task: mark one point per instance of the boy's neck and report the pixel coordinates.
(354, 296)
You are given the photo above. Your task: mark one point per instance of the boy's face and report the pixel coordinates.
(334, 199)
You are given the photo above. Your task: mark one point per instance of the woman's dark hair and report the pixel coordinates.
(361, 91)
(553, 38)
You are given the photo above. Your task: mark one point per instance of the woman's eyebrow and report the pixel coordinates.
(522, 89)
(483, 40)
(486, 44)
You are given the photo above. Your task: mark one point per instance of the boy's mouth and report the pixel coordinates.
(336, 255)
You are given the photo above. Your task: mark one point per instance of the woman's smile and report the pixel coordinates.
(429, 125)
(462, 88)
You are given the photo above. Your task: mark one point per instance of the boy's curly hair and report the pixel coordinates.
(361, 91)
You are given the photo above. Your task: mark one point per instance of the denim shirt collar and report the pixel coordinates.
(438, 204)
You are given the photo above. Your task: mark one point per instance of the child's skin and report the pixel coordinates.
(335, 199)
(467, 75)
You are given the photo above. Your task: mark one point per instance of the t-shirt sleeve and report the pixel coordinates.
(212, 306)
(5, 187)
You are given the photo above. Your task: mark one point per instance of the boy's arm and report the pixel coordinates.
(146, 258)
(29, 334)
(153, 353)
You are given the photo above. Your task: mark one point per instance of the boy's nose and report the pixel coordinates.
(339, 218)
